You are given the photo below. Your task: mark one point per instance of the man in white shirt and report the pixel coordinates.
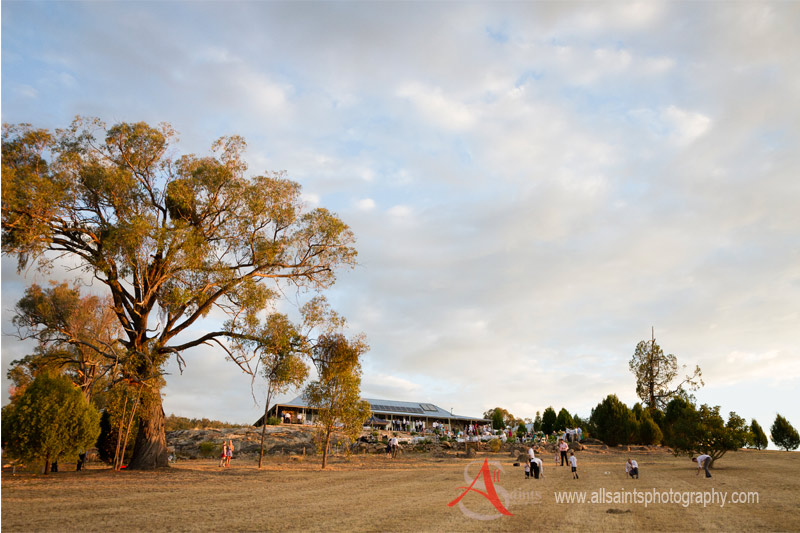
(703, 462)
(632, 468)
(393, 442)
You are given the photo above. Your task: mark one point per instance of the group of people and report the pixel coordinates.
(286, 417)
(534, 468)
(227, 453)
(408, 425)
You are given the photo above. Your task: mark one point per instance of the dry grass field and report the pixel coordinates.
(411, 493)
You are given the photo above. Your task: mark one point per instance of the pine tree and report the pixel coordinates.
(784, 435)
(759, 437)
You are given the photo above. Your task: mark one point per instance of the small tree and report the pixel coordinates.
(336, 393)
(281, 360)
(689, 430)
(784, 435)
(500, 418)
(50, 419)
(549, 420)
(655, 373)
(759, 441)
(563, 420)
(613, 422)
(537, 422)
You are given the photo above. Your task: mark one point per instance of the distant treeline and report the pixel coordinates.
(174, 423)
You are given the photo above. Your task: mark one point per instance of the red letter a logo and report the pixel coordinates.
(490, 493)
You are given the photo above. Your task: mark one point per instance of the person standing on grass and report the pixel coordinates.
(393, 443)
(703, 462)
(531, 457)
(563, 447)
(223, 458)
(632, 468)
(229, 453)
(573, 462)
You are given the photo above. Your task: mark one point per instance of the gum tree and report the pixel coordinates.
(655, 374)
(336, 392)
(76, 335)
(172, 239)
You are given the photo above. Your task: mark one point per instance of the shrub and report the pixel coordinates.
(649, 432)
(273, 421)
(208, 449)
(51, 418)
(494, 445)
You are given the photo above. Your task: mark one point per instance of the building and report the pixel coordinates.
(382, 413)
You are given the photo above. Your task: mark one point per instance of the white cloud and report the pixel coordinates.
(310, 198)
(685, 126)
(400, 211)
(543, 198)
(434, 106)
(366, 204)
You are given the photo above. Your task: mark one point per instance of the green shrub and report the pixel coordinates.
(494, 445)
(209, 449)
(273, 421)
(51, 419)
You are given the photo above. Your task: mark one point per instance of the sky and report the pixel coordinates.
(533, 185)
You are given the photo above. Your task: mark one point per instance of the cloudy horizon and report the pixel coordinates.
(533, 186)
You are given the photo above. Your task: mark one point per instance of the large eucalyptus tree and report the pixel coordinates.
(171, 238)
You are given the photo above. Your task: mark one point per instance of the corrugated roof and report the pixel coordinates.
(393, 407)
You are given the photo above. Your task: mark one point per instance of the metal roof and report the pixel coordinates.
(393, 407)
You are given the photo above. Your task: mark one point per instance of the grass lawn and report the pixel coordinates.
(411, 493)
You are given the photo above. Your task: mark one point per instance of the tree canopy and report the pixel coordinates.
(171, 238)
(688, 429)
(77, 336)
(784, 435)
(655, 373)
(549, 418)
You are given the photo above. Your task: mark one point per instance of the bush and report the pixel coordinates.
(273, 421)
(50, 419)
(649, 432)
(209, 449)
(494, 445)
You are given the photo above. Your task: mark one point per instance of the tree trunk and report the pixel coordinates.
(47, 464)
(264, 428)
(150, 449)
(325, 449)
